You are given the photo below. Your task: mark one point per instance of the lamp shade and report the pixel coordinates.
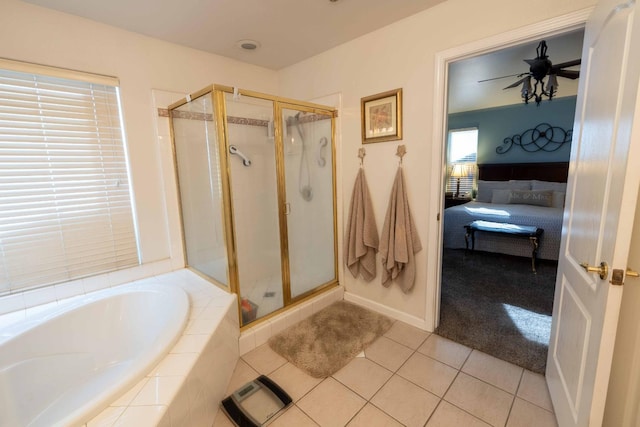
(459, 170)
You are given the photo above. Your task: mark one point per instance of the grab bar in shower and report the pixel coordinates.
(234, 150)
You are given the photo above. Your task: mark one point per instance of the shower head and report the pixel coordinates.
(294, 120)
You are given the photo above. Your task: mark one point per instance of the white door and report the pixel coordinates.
(601, 197)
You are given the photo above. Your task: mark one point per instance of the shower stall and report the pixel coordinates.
(256, 181)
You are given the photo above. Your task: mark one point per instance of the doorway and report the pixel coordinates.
(490, 299)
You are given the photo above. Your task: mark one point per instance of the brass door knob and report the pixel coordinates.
(602, 269)
(631, 273)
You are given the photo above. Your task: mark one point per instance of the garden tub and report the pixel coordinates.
(65, 365)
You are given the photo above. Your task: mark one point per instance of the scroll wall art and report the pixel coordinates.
(543, 137)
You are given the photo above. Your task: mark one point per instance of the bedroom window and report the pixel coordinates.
(462, 150)
(66, 207)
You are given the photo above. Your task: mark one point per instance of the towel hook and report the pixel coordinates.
(402, 150)
(361, 153)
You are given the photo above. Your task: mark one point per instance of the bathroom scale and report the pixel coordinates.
(256, 403)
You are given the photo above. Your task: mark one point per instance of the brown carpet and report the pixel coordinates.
(325, 342)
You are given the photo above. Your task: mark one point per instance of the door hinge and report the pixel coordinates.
(438, 217)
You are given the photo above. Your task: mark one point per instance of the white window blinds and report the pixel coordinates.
(64, 189)
(461, 160)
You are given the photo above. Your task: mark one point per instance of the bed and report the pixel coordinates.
(523, 194)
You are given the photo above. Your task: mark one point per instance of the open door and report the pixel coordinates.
(601, 197)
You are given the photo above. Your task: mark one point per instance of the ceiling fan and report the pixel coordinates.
(539, 68)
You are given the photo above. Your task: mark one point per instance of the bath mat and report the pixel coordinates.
(325, 342)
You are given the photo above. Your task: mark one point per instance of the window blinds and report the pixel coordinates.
(64, 189)
(462, 150)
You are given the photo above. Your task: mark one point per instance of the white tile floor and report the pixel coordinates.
(405, 378)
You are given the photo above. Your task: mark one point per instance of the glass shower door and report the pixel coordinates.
(308, 170)
(198, 168)
(253, 175)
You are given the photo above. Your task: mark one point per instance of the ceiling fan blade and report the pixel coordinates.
(517, 83)
(530, 61)
(566, 64)
(497, 78)
(568, 74)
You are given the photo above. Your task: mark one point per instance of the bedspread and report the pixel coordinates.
(549, 219)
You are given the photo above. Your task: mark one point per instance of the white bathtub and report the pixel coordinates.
(69, 363)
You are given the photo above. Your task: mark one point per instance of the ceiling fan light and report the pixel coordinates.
(526, 88)
(552, 83)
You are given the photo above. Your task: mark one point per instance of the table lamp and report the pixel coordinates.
(458, 171)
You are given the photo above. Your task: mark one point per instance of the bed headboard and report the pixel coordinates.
(556, 171)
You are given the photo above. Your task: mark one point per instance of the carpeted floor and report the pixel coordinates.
(494, 303)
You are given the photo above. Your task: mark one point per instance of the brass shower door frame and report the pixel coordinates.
(284, 237)
(217, 93)
(227, 218)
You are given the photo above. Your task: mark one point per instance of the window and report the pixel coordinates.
(65, 204)
(461, 160)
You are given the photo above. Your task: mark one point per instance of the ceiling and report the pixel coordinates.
(288, 31)
(466, 93)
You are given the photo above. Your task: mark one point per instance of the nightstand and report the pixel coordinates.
(455, 201)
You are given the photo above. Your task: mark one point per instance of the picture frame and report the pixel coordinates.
(382, 116)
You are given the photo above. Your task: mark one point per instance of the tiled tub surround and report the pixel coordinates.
(183, 389)
(63, 366)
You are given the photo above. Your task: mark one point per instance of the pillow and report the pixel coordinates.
(531, 197)
(557, 200)
(548, 185)
(500, 196)
(485, 188)
(523, 181)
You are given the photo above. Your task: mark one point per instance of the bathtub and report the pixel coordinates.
(68, 363)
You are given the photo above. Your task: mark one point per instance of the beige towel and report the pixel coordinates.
(400, 240)
(361, 239)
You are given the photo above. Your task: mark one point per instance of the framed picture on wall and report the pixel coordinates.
(382, 116)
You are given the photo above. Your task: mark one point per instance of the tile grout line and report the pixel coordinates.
(382, 386)
(393, 373)
(514, 398)
(302, 410)
(450, 385)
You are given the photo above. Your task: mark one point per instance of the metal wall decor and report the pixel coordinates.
(543, 137)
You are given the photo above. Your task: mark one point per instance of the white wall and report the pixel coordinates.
(34, 34)
(623, 397)
(402, 55)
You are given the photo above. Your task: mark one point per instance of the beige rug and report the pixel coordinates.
(326, 341)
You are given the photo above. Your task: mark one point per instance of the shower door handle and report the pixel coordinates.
(234, 150)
